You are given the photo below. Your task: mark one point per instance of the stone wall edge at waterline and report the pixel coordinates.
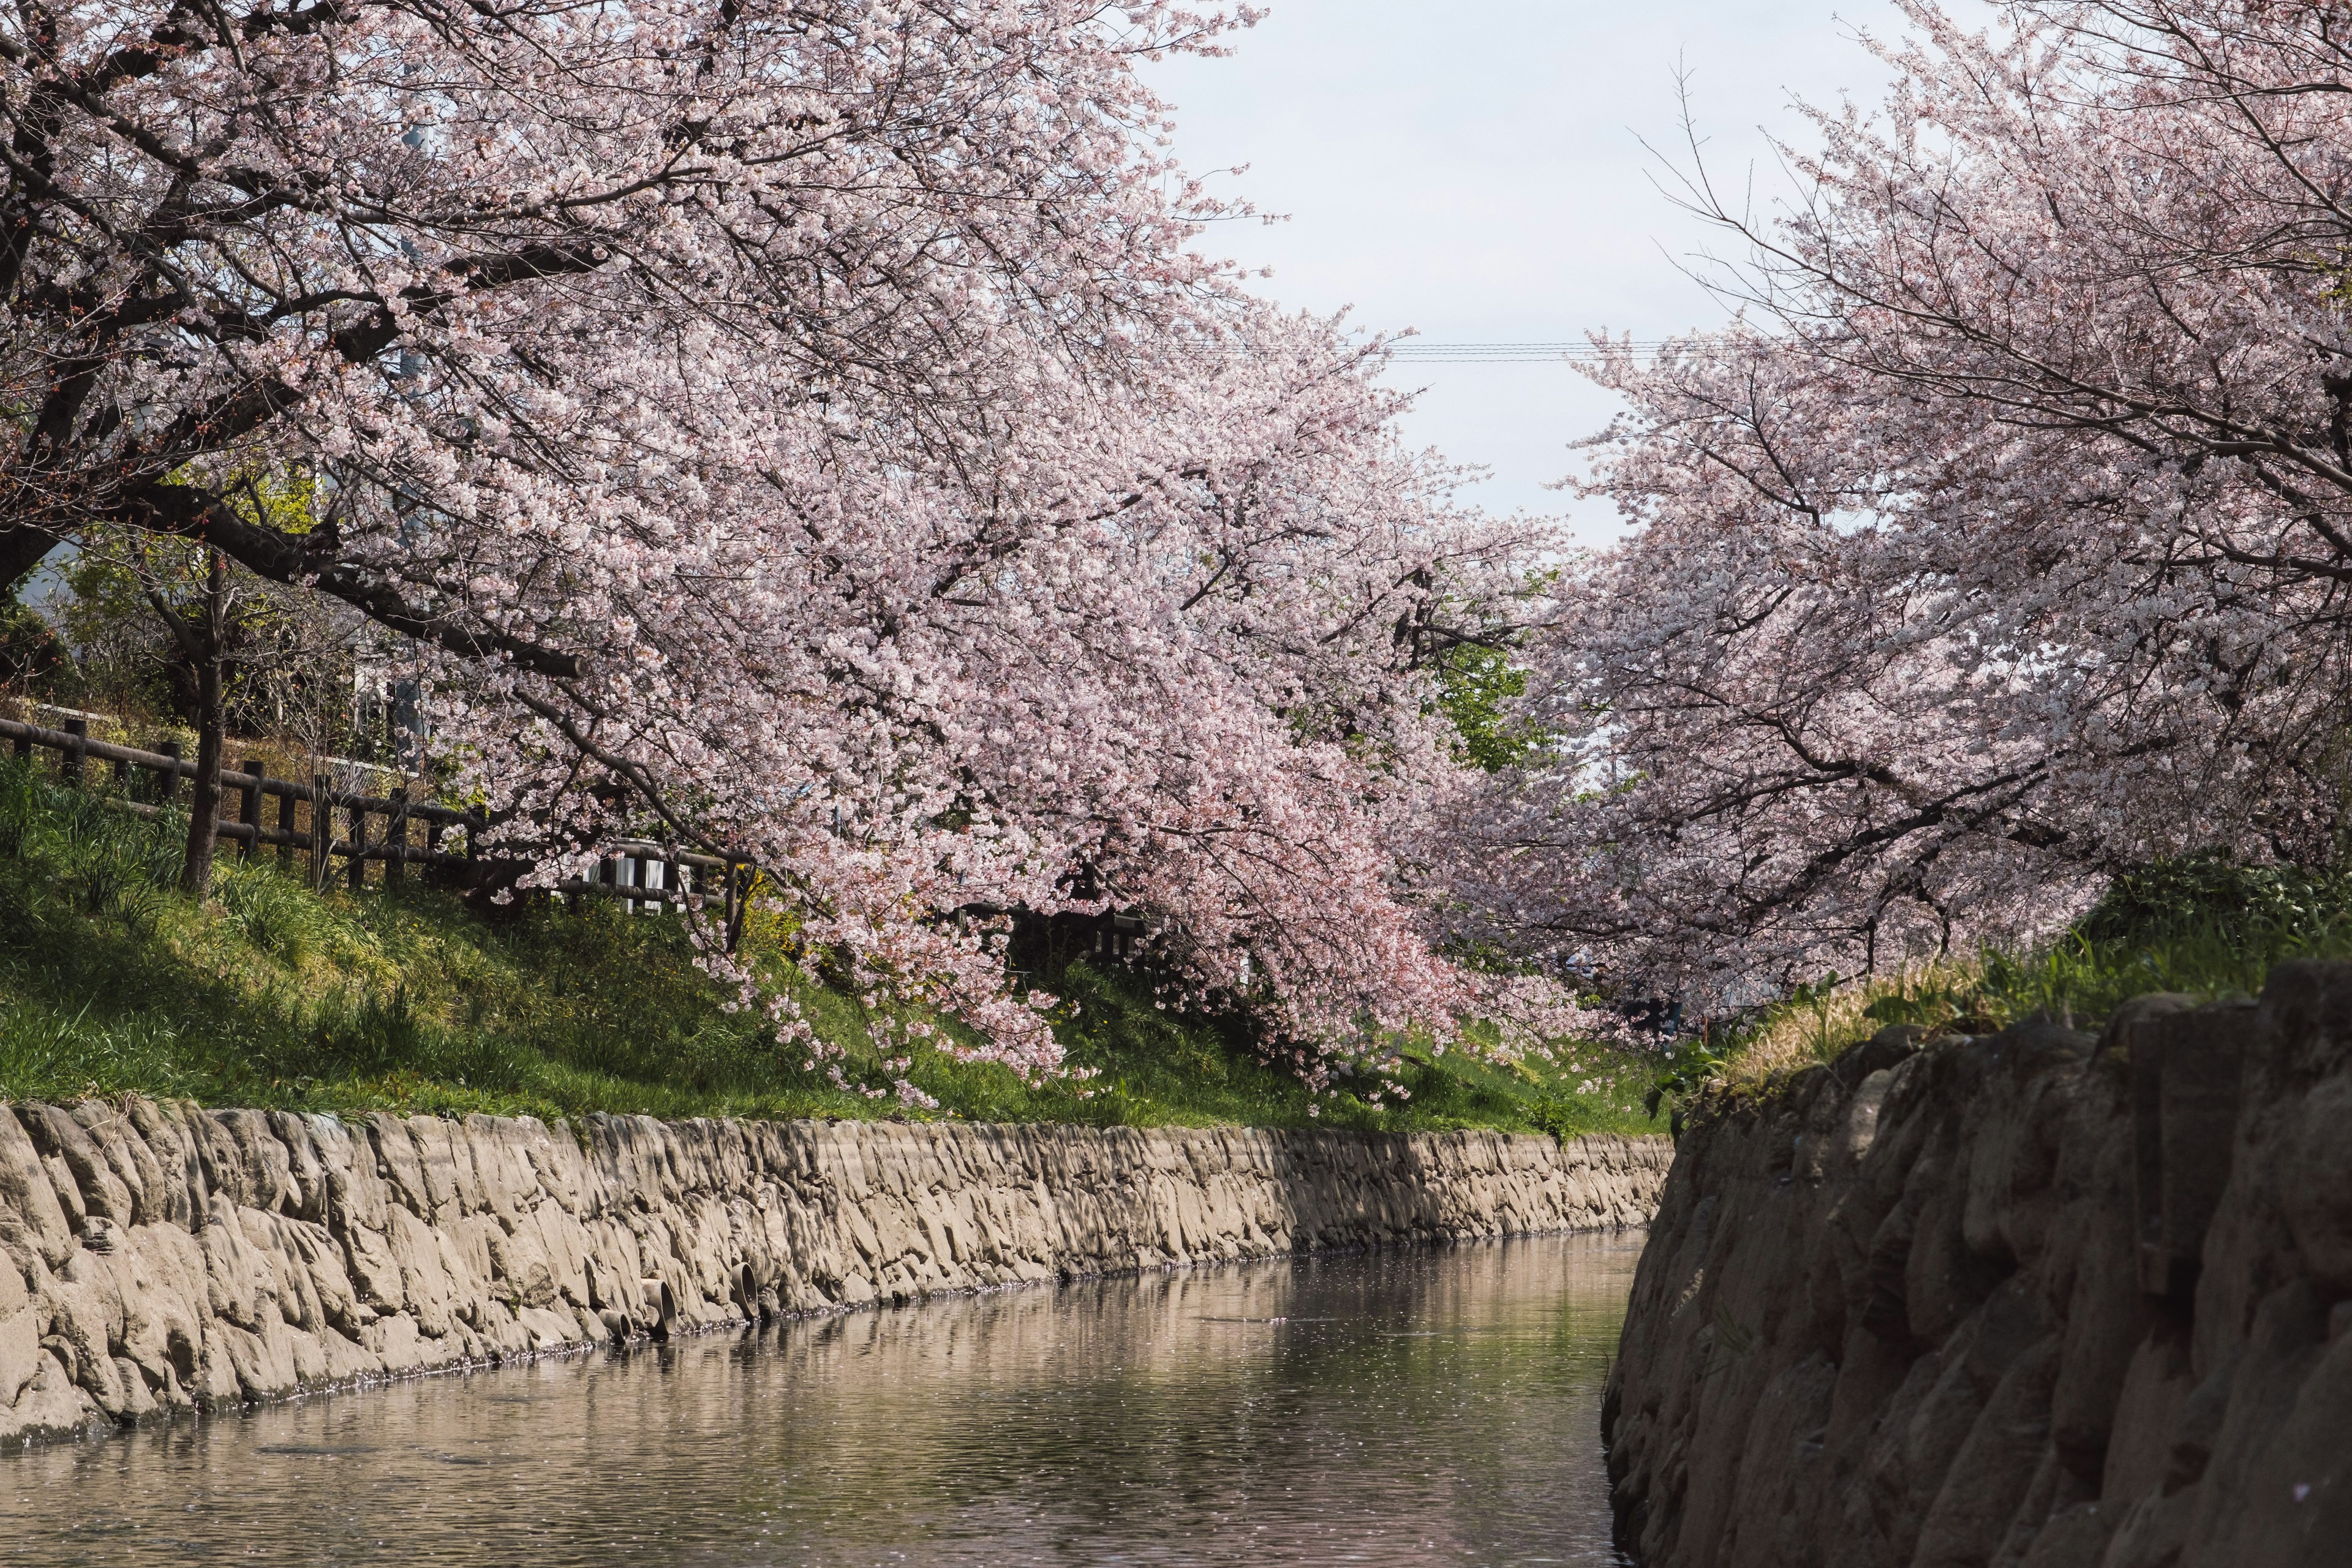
(2031, 1299)
(157, 1257)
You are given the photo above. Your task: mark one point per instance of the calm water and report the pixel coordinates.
(1434, 1407)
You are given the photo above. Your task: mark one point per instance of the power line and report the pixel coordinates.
(1415, 351)
(1507, 353)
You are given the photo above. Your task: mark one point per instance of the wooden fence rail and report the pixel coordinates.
(644, 875)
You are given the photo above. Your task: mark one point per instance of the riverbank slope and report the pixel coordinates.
(2038, 1299)
(270, 992)
(163, 1256)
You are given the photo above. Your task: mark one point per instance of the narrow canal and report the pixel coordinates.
(1430, 1407)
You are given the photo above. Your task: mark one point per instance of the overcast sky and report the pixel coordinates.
(1476, 169)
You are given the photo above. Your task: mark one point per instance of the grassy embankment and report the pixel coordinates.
(2200, 926)
(269, 993)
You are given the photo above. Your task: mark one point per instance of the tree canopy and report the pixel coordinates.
(2004, 542)
(807, 427)
(813, 432)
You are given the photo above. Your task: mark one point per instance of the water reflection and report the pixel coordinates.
(1416, 1408)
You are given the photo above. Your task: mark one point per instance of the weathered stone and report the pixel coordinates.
(1987, 1479)
(268, 1171)
(90, 1182)
(2147, 1414)
(20, 1334)
(164, 1257)
(126, 1154)
(2319, 1206)
(32, 1222)
(2075, 1537)
(2072, 1306)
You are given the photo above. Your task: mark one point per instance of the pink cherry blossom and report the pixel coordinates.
(808, 432)
(2003, 541)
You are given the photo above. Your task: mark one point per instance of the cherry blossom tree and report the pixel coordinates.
(804, 429)
(422, 244)
(1169, 658)
(2005, 542)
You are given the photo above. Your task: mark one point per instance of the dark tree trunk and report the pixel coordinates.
(204, 811)
(21, 550)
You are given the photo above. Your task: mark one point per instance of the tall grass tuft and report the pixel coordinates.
(268, 908)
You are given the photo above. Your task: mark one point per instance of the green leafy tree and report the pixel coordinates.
(1476, 686)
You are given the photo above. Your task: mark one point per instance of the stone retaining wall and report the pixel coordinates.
(2035, 1300)
(159, 1257)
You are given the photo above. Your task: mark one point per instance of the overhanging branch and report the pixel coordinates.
(188, 510)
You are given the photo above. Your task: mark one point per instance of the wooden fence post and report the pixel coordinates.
(358, 851)
(434, 874)
(73, 765)
(739, 898)
(249, 809)
(285, 815)
(322, 829)
(167, 780)
(395, 837)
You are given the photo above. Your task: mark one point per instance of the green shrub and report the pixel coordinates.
(1563, 1119)
(2200, 924)
(20, 803)
(2208, 897)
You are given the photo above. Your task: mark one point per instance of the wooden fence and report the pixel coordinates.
(380, 830)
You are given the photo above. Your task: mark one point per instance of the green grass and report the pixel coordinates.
(2200, 925)
(406, 999)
